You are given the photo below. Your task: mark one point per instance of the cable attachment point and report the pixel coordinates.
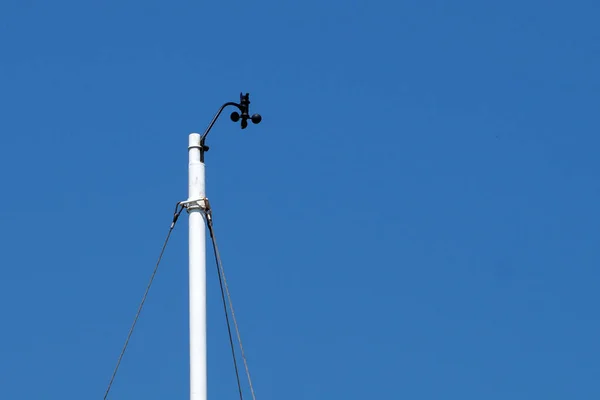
(195, 204)
(178, 209)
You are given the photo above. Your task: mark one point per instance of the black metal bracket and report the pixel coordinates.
(243, 106)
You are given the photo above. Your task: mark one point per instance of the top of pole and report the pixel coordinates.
(194, 141)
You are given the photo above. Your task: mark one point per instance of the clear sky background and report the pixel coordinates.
(416, 217)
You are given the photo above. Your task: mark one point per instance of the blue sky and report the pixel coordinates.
(416, 217)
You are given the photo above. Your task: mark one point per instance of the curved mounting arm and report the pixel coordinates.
(205, 134)
(243, 106)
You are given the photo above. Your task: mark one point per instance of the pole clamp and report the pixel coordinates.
(196, 204)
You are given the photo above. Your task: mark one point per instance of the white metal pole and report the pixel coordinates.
(197, 249)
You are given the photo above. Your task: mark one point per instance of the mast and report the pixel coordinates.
(197, 206)
(200, 216)
(197, 268)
